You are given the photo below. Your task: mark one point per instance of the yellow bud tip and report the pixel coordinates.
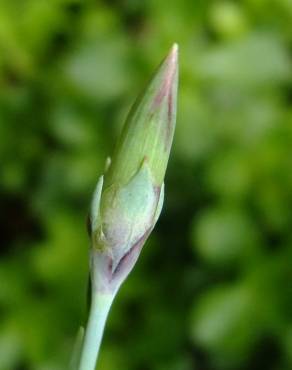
(172, 59)
(174, 52)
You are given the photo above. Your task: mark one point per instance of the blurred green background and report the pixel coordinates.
(213, 287)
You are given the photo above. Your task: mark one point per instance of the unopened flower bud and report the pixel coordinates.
(129, 196)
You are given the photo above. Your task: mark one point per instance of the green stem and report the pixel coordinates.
(100, 306)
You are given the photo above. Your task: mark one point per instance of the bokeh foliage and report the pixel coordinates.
(213, 288)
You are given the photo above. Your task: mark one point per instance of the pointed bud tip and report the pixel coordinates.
(169, 68)
(172, 57)
(174, 51)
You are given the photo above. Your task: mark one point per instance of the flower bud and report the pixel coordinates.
(128, 198)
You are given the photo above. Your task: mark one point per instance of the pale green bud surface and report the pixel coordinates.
(149, 128)
(129, 196)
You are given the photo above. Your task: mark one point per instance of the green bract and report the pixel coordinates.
(128, 198)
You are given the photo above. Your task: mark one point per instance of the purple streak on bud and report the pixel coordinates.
(167, 91)
(128, 261)
(169, 75)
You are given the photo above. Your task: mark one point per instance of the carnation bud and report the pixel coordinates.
(128, 198)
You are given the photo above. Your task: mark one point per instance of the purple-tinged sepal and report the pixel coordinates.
(122, 217)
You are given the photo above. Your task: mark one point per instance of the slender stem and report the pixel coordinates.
(100, 306)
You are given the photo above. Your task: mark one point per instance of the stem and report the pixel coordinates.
(100, 306)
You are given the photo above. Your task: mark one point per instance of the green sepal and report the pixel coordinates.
(95, 206)
(159, 205)
(126, 213)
